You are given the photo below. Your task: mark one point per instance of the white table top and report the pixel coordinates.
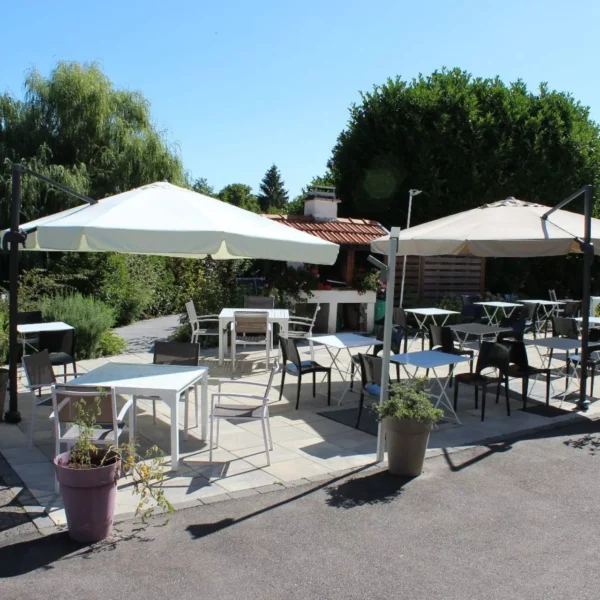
(431, 312)
(272, 313)
(593, 320)
(428, 359)
(555, 343)
(542, 302)
(498, 304)
(38, 327)
(129, 378)
(345, 340)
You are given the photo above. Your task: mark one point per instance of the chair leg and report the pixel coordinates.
(264, 428)
(314, 384)
(282, 382)
(298, 391)
(456, 396)
(360, 407)
(329, 387)
(483, 395)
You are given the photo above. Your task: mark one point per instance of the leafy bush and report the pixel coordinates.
(111, 344)
(91, 319)
(409, 400)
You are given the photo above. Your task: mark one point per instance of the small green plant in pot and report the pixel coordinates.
(88, 477)
(408, 417)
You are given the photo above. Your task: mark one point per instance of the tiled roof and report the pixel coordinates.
(338, 231)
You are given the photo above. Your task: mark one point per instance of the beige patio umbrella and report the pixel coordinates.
(509, 228)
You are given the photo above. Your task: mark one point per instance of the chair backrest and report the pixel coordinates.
(250, 322)
(176, 353)
(38, 369)
(518, 355)
(563, 327)
(399, 316)
(102, 402)
(191, 311)
(552, 294)
(493, 355)
(29, 317)
(571, 308)
(58, 341)
(259, 302)
(289, 351)
(370, 369)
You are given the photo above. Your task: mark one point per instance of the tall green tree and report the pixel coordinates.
(465, 142)
(273, 194)
(240, 195)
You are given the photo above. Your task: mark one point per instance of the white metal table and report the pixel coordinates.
(34, 328)
(507, 309)
(432, 359)
(281, 316)
(343, 341)
(167, 382)
(423, 314)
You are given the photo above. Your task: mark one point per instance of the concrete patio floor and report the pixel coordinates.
(307, 445)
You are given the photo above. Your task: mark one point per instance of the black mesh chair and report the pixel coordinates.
(492, 355)
(370, 376)
(401, 321)
(184, 354)
(292, 365)
(61, 348)
(519, 368)
(442, 340)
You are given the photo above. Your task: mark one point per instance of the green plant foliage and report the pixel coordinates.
(408, 399)
(91, 319)
(465, 142)
(240, 195)
(111, 344)
(272, 191)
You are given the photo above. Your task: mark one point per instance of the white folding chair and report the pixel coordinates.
(243, 412)
(302, 327)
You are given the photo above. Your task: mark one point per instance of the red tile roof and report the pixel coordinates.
(339, 231)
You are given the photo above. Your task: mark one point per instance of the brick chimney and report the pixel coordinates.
(321, 203)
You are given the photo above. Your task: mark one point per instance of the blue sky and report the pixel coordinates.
(239, 85)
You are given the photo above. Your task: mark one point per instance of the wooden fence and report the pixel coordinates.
(428, 278)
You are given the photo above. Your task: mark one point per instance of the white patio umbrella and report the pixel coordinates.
(163, 219)
(508, 228)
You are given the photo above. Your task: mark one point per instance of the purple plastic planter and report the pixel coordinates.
(89, 496)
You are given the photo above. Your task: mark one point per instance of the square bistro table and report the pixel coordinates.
(32, 328)
(432, 359)
(344, 341)
(493, 308)
(167, 382)
(479, 330)
(433, 314)
(281, 316)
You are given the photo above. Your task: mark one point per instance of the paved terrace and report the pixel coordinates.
(308, 446)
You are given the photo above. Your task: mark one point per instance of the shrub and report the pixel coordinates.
(111, 344)
(91, 318)
(409, 400)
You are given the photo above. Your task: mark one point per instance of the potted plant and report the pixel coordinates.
(88, 477)
(408, 417)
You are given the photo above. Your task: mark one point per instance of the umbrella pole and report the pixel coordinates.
(387, 333)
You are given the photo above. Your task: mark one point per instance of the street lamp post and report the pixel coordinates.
(411, 193)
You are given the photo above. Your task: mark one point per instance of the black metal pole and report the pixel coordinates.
(12, 414)
(588, 259)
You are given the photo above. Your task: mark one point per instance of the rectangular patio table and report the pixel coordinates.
(423, 314)
(478, 330)
(432, 359)
(344, 341)
(281, 316)
(33, 328)
(493, 318)
(167, 382)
